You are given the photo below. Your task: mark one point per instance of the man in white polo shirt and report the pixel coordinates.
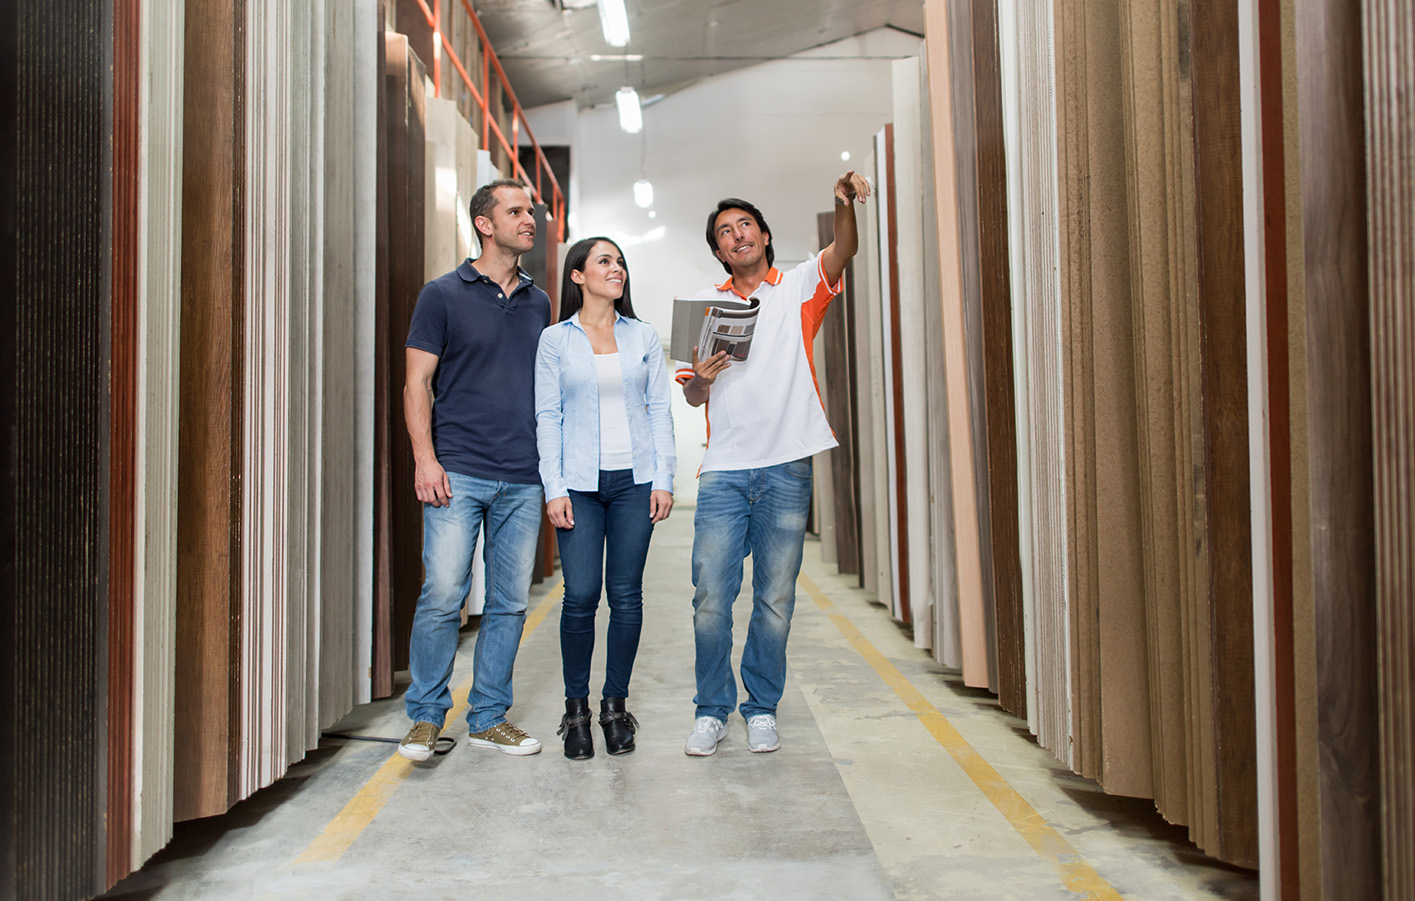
(765, 421)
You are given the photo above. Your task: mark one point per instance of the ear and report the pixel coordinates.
(766, 239)
(577, 276)
(483, 226)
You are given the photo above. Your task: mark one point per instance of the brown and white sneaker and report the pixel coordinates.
(420, 741)
(506, 738)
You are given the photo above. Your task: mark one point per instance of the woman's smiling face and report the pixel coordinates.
(604, 273)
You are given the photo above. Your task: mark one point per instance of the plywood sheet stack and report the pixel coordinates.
(995, 302)
(892, 398)
(155, 526)
(876, 556)
(953, 344)
(909, 254)
(1029, 86)
(397, 517)
(54, 359)
(1390, 139)
(1158, 132)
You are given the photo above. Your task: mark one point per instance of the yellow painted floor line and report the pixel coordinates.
(1077, 875)
(350, 822)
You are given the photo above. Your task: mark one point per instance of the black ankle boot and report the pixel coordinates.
(618, 724)
(575, 726)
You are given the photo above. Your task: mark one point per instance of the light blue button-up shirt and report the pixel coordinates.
(567, 406)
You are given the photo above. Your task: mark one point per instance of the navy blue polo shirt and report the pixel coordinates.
(484, 415)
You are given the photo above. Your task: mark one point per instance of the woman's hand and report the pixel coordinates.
(561, 516)
(660, 505)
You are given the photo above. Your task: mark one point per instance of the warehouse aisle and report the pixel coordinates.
(893, 781)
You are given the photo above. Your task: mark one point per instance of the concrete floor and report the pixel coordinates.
(893, 780)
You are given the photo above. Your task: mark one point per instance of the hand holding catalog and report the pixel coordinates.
(712, 326)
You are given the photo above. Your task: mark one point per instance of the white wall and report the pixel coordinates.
(771, 134)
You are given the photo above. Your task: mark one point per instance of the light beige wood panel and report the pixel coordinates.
(960, 427)
(1390, 147)
(914, 344)
(1036, 291)
(946, 640)
(1155, 128)
(874, 501)
(155, 564)
(1111, 672)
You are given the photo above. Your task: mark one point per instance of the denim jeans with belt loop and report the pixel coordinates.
(511, 515)
(761, 512)
(608, 546)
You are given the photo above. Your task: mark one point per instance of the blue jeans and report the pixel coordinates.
(511, 516)
(611, 536)
(761, 512)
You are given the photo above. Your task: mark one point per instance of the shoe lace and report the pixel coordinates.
(706, 724)
(762, 721)
(515, 733)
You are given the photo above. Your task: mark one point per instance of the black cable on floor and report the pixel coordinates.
(439, 750)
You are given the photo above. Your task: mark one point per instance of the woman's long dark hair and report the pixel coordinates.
(571, 298)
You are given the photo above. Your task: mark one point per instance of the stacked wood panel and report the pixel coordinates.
(1390, 139)
(55, 352)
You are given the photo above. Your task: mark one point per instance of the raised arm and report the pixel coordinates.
(849, 188)
(430, 480)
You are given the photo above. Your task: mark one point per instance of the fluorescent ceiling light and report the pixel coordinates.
(614, 20)
(643, 193)
(631, 118)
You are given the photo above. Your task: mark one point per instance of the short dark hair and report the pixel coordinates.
(734, 203)
(484, 200)
(571, 295)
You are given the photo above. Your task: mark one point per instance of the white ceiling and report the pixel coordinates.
(546, 46)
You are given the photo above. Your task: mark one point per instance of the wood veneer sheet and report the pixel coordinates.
(914, 345)
(893, 393)
(961, 458)
(874, 479)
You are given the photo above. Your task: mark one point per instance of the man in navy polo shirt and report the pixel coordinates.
(470, 408)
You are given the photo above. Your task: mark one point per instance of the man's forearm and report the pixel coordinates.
(847, 233)
(696, 391)
(417, 413)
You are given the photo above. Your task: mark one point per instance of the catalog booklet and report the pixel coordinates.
(712, 325)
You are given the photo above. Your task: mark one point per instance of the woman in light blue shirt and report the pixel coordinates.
(607, 460)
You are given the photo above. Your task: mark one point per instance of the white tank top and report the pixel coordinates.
(616, 448)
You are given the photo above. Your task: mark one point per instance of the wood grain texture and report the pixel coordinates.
(962, 464)
(385, 430)
(403, 83)
(1275, 307)
(123, 437)
(209, 538)
(836, 335)
(158, 414)
(1219, 204)
(1338, 356)
(889, 235)
(1390, 143)
(996, 302)
(54, 429)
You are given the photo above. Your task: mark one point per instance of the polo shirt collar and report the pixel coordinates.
(470, 273)
(576, 319)
(773, 277)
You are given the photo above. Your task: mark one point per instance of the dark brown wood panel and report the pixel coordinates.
(55, 263)
(209, 467)
(1338, 357)
(996, 296)
(1390, 117)
(403, 85)
(122, 517)
(840, 402)
(1218, 192)
(894, 338)
(1275, 263)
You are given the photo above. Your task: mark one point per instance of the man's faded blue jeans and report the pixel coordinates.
(761, 512)
(510, 513)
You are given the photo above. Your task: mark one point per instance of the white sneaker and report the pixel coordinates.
(761, 734)
(707, 732)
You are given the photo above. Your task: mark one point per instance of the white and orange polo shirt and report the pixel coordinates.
(767, 409)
